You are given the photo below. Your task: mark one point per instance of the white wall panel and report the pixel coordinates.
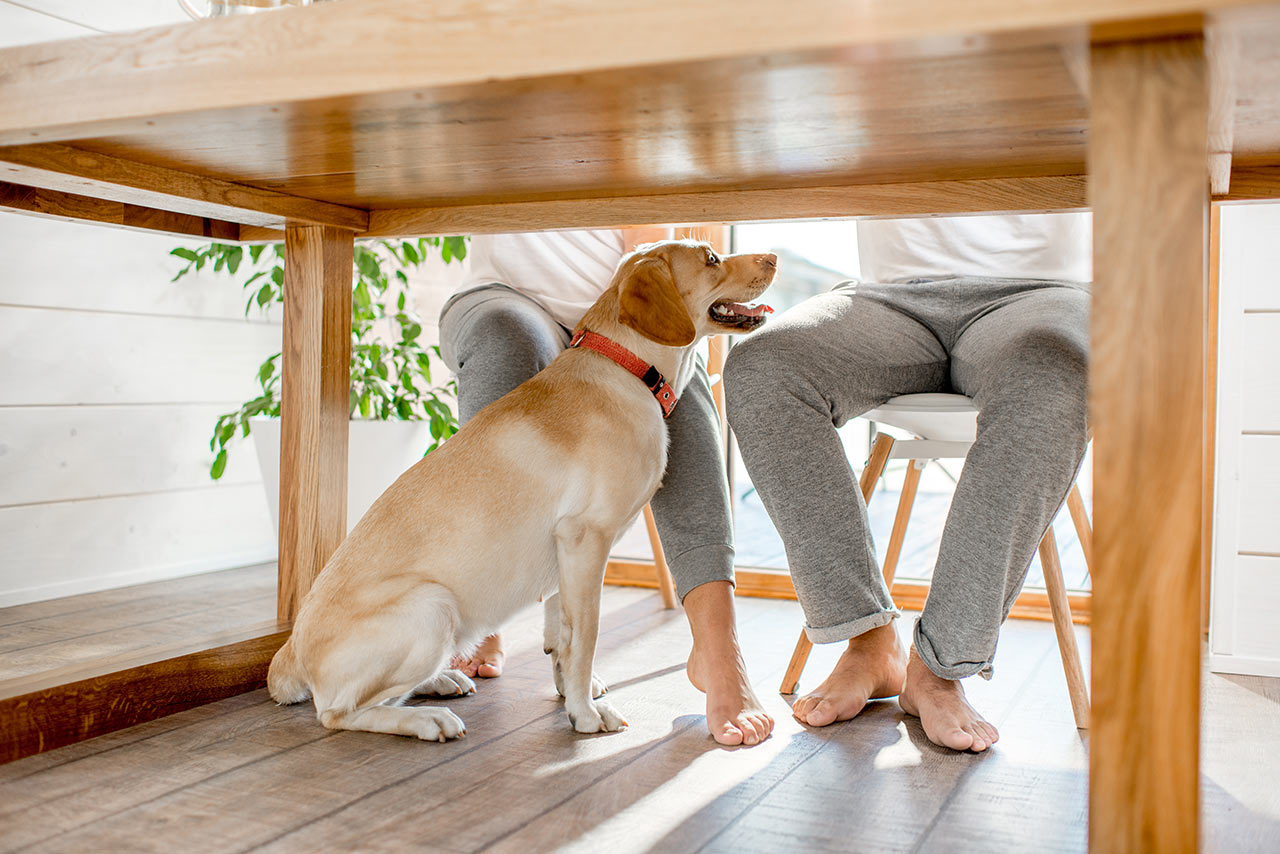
(82, 266)
(1260, 372)
(73, 452)
(113, 15)
(1250, 252)
(1258, 606)
(1259, 496)
(25, 26)
(72, 357)
(79, 546)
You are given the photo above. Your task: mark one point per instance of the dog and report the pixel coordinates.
(524, 503)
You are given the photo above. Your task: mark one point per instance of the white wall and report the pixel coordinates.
(110, 381)
(1245, 606)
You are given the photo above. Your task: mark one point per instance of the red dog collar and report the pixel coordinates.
(647, 373)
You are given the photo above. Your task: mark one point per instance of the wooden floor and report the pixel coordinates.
(47, 635)
(244, 774)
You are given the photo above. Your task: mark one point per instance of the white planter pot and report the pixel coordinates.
(378, 452)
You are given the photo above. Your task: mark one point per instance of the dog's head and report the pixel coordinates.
(677, 291)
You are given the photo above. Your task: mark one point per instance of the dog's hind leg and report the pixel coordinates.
(582, 551)
(360, 680)
(551, 646)
(429, 723)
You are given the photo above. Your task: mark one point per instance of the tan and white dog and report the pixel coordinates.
(526, 500)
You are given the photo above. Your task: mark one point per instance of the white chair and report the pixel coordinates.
(945, 426)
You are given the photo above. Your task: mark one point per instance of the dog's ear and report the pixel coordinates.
(650, 304)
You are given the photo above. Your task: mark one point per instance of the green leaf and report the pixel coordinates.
(255, 252)
(367, 263)
(411, 331)
(234, 257)
(446, 250)
(185, 254)
(264, 295)
(410, 253)
(219, 464)
(266, 370)
(226, 431)
(459, 247)
(402, 407)
(364, 404)
(400, 299)
(277, 275)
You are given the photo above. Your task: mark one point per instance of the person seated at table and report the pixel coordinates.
(993, 307)
(515, 313)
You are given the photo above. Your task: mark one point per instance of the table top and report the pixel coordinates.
(388, 105)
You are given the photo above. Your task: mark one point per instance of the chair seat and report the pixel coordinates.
(944, 417)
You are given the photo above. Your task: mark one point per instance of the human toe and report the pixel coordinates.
(727, 734)
(955, 738)
(823, 714)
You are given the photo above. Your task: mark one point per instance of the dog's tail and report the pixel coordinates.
(285, 684)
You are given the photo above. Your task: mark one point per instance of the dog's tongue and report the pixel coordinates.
(750, 310)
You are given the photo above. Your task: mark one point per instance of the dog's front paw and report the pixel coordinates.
(597, 716)
(435, 724)
(446, 683)
(598, 687)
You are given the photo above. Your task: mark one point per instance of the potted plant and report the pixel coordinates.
(398, 412)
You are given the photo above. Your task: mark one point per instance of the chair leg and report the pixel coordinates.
(1061, 611)
(666, 585)
(1080, 517)
(791, 679)
(905, 503)
(867, 483)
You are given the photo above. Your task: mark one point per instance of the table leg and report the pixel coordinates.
(314, 391)
(1148, 186)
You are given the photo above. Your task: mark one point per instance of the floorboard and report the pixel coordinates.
(246, 775)
(48, 635)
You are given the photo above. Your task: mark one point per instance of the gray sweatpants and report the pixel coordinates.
(495, 338)
(1019, 348)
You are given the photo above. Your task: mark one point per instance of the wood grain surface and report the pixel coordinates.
(59, 707)
(1149, 192)
(68, 169)
(315, 384)
(69, 206)
(246, 774)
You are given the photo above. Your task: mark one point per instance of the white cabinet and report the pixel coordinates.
(1244, 635)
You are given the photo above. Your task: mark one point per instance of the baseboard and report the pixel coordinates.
(1242, 665)
(909, 595)
(96, 584)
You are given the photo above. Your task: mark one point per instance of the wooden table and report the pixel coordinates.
(399, 117)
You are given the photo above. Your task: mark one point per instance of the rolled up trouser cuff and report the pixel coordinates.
(925, 649)
(852, 628)
(701, 565)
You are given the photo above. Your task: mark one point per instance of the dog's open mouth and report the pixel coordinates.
(738, 315)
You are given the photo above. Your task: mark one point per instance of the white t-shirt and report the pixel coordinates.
(1030, 246)
(564, 271)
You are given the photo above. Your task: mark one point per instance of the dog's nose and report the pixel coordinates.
(769, 260)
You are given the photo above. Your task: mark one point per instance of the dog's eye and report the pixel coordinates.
(713, 260)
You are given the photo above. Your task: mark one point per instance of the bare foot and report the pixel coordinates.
(872, 667)
(734, 713)
(486, 661)
(945, 714)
